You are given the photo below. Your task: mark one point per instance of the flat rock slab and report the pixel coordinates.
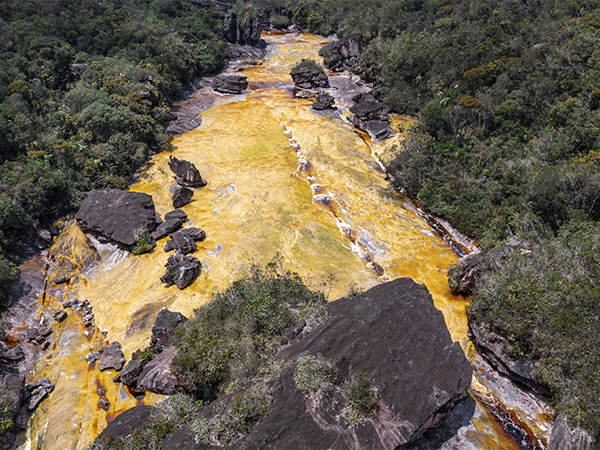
(117, 216)
(230, 84)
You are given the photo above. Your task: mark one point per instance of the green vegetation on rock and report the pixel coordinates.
(231, 337)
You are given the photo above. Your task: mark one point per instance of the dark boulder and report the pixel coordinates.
(111, 357)
(181, 271)
(168, 226)
(10, 355)
(37, 392)
(186, 173)
(309, 75)
(184, 241)
(117, 216)
(130, 374)
(342, 54)
(370, 114)
(177, 214)
(157, 376)
(164, 328)
(323, 101)
(127, 422)
(60, 315)
(62, 279)
(230, 84)
(182, 196)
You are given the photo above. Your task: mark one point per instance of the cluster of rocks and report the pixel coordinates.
(84, 309)
(309, 75)
(230, 84)
(371, 115)
(402, 344)
(23, 398)
(342, 55)
(128, 218)
(155, 375)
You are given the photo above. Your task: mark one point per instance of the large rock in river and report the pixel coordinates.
(181, 271)
(117, 216)
(230, 84)
(391, 332)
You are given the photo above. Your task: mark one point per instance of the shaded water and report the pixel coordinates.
(281, 180)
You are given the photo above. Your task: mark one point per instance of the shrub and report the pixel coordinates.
(313, 374)
(360, 394)
(231, 337)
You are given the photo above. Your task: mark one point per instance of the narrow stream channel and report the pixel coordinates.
(284, 180)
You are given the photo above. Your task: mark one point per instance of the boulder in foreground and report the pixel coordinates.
(117, 216)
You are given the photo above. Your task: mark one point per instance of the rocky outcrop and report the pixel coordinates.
(157, 377)
(493, 348)
(243, 27)
(391, 332)
(565, 437)
(342, 54)
(186, 173)
(309, 75)
(181, 271)
(111, 357)
(117, 216)
(230, 84)
(323, 101)
(370, 114)
(131, 372)
(127, 422)
(164, 328)
(181, 196)
(36, 392)
(463, 276)
(184, 241)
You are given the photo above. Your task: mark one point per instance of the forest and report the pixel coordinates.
(507, 147)
(84, 94)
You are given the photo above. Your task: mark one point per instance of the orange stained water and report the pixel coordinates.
(281, 180)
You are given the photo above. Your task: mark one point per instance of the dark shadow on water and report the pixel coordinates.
(433, 438)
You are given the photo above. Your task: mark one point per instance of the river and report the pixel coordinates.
(284, 180)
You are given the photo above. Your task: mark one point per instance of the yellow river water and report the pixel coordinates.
(259, 202)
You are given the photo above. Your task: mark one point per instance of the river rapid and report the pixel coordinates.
(282, 180)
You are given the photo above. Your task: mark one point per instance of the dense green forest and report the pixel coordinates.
(84, 90)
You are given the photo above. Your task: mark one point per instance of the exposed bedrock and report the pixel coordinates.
(117, 216)
(230, 84)
(370, 114)
(391, 332)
